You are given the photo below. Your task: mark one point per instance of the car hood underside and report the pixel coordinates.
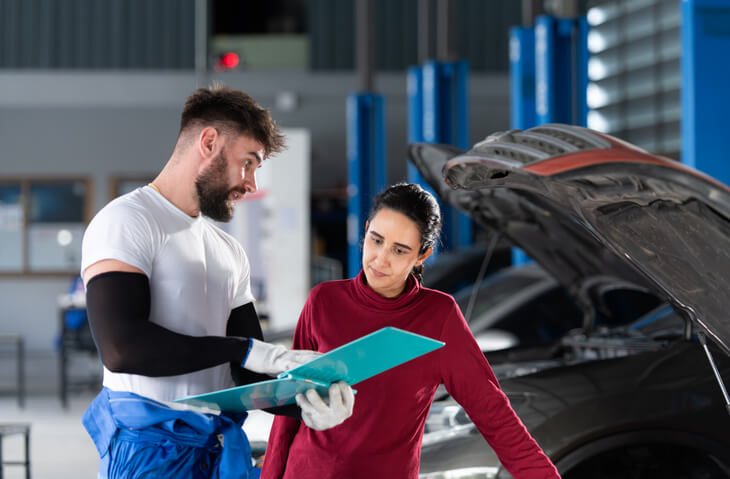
(601, 208)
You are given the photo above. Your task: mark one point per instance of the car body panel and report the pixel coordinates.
(568, 408)
(585, 205)
(631, 210)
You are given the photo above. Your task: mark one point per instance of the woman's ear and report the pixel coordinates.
(424, 256)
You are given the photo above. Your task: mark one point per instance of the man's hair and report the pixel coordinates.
(231, 112)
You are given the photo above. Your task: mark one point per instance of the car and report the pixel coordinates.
(647, 399)
(597, 387)
(524, 306)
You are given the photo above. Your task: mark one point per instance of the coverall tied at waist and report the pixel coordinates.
(140, 437)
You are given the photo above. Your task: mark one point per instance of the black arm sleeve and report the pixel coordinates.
(244, 322)
(118, 307)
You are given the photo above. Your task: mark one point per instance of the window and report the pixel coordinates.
(41, 225)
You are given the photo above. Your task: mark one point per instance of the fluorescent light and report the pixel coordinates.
(597, 122)
(596, 41)
(597, 96)
(596, 16)
(596, 69)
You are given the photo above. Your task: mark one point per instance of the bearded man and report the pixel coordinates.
(170, 306)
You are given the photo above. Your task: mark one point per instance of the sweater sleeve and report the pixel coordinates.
(469, 379)
(285, 428)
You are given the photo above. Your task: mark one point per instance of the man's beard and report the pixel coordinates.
(213, 192)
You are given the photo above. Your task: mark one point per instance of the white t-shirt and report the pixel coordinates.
(197, 272)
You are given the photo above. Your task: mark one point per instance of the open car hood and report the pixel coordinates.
(583, 204)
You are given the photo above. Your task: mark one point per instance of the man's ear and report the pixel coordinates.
(367, 223)
(424, 256)
(208, 142)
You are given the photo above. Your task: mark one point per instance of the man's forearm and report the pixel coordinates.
(118, 306)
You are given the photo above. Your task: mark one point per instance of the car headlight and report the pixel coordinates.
(466, 473)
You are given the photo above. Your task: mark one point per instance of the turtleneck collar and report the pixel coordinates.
(369, 297)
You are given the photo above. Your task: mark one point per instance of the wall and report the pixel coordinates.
(122, 123)
(88, 34)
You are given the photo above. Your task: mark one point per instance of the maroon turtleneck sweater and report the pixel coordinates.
(383, 436)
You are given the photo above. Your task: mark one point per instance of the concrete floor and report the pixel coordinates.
(59, 445)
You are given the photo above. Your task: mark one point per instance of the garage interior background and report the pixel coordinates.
(90, 96)
(91, 92)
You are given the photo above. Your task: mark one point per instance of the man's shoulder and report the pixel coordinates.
(135, 202)
(123, 230)
(132, 207)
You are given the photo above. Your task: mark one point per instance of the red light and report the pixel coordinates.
(229, 60)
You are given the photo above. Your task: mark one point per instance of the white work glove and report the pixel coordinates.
(318, 414)
(272, 359)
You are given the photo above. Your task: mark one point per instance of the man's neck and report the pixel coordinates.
(176, 182)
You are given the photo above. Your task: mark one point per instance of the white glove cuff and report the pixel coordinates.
(248, 352)
(263, 357)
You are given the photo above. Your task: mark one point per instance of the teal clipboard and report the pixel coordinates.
(353, 362)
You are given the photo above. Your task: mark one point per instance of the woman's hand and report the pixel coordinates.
(319, 415)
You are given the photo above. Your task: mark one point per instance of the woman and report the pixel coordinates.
(383, 436)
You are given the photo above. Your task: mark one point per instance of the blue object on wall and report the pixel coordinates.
(548, 77)
(522, 77)
(366, 167)
(414, 90)
(438, 113)
(582, 57)
(522, 93)
(705, 37)
(561, 70)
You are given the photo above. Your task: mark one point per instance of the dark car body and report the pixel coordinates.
(526, 306)
(615, 402)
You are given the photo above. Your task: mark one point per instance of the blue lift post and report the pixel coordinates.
(414, 90)
(582, 56)
(561, 70)
(366, 167)
(552, 59)
(522, 77)
(522, 93)
(438, 113)
(705, 37)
